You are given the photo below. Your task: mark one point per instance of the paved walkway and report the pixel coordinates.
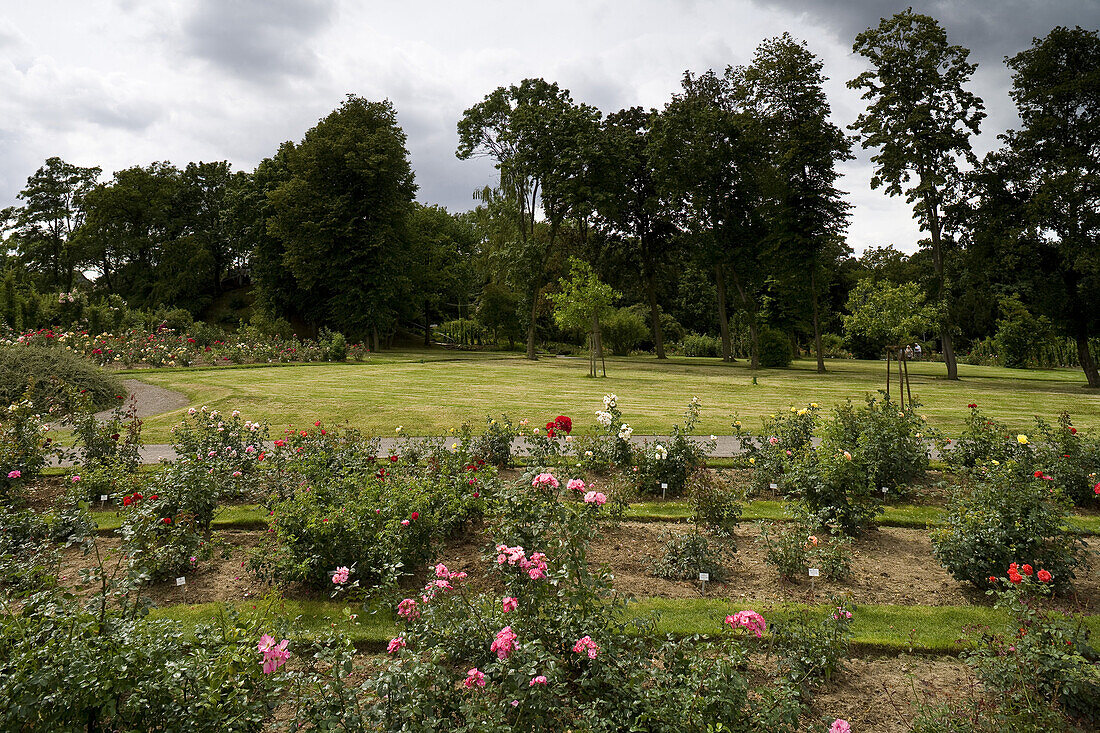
(727, 446)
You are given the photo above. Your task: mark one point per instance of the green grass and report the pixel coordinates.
(235, 516)
(914, 516)
(429, 392)
(877, 628)
(252, 516)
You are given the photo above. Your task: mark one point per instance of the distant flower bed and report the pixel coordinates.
(165, 347)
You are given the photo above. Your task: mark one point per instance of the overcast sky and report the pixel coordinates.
(117, 83)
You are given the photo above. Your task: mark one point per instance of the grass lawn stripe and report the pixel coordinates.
(876, 628)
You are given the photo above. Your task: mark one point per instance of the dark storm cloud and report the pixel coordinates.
(257, 40)
(991, 29)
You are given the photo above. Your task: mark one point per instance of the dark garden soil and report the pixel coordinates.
(890, 566)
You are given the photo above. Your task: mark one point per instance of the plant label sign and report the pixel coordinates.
(773, 486)
(103, 497)
(814, 572)
(664, 486)
(704, 577)
(181, 581)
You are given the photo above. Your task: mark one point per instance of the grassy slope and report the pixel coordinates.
(429, 392)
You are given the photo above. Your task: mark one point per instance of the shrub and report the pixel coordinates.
(688, 554)
(775, 348)
(664, 469)
(495, 444)
(983, 440)
(834, 490)
(110, 449)
(886, 443)
(550, 654)
(609, 446)
(792, 550)
(623, 330)
(47, 373)
(383, 524)
(1071, 458)
(811, 650)
(120, 672)
(24, 448)
(1007, 516)
(1039, 671)
(697, 345)
(28, 562)
(781, 436)
(716, 504)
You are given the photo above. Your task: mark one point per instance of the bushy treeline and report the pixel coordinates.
(717, 218)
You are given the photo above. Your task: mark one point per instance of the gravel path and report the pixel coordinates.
(151, 400)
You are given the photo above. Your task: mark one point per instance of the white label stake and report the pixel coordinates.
(664, 489)
(181, 581)
(814, 572)
(773, 486)
(703, 578)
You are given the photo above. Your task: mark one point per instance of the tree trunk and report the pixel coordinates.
(1084, 357)
(908, 390)
(934, 234)
(949, 353)
(427, 329)
(817, 325)
(654, 316)
(754, 332)
(374, 334)
(888, 352)
(723, 317)
(531, 327)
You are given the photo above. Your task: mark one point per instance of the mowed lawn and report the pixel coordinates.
(429, 392)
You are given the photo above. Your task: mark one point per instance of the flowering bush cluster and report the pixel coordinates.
(690, 553)
(1071, 458)
(554, 653)
(1040, 670)
(782, 435)
(381, 517)
(167, 347)
(664, 469)
(24, 448)
(1007, 516)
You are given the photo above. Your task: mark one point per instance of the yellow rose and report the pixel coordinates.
(1021, 439)
(752, 461)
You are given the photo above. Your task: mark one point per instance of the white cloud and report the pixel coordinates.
(118, 83)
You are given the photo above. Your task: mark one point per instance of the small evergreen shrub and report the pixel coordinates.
(776, 350)
(48, 372)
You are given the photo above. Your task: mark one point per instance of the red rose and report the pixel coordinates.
(317, 424)
(564, 423)
(414, 516)
(992, 579)
(476, 495)
(1044, 576)
(1038, 474)
(1073, 430)
(127, 501)
(1014, 577)
(167, 520)
(1027, 569)
(260, 457)
(393, 459)
(138, 497)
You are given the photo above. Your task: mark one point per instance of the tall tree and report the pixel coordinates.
(1053, 164)
(52, 212)
(710, 159)
(538, 140)
(441, 269)
(920, 118)
(628, 203)
(807, 214)
(206, 218)
(340, 217)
